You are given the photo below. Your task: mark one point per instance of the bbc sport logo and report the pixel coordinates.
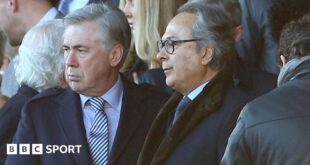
(38, 149)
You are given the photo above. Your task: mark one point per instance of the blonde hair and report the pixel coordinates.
(152, 17)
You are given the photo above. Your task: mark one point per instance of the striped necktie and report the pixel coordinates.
(98, 139)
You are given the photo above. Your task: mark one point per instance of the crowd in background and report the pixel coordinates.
(154, 82)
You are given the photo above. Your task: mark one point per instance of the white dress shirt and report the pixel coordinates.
(193, 94)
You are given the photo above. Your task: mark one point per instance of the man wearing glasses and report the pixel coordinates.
(194, 125)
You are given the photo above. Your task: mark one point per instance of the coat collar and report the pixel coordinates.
(130, 119)
(70, 120)
(27, 91)
(159, 143)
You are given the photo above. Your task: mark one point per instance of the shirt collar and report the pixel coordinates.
(51, 14)
(193, 94)
(113, 96)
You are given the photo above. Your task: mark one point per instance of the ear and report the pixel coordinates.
(238, 33)
(116, 55)
(12, 4)
(283, 59)
(207, 56)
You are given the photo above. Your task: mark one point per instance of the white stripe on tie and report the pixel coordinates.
(98, 139)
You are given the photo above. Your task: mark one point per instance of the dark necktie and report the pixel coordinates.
(182, 104)
(99, 133)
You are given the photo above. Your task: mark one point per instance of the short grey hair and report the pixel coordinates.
(112, 21)
(40, 63)
(212, 26)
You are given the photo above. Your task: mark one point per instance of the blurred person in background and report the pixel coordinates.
(39, 66)
(258, 46)
(262, 21)
(9, 53)
(2, 53)
(17, 17)
(148, 20)
(67, 6)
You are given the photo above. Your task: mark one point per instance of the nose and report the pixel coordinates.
(162, 55)
(71, 59)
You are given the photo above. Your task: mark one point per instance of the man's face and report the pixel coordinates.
(9, 23)
(89, 69)
(183, 68)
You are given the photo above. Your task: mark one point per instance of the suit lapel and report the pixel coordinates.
(70, 120)
(190, 118)
(130, 119)
(159, 129)
(207, 102)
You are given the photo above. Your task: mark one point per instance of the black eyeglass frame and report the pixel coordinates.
(161, 44)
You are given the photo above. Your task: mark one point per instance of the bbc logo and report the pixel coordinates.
(37, 149)
(24, 149)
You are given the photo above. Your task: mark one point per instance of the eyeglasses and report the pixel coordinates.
(170, 44)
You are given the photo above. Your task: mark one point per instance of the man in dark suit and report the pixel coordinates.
(101, 111)
(196, 51)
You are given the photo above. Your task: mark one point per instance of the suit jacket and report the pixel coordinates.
(55, 118)
(200, 134)
(10, 116)
(257, 46)
(253, 80)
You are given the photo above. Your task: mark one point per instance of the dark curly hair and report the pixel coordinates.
(295, 38)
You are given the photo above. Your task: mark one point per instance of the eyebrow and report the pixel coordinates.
(75, 46)
(169, 38)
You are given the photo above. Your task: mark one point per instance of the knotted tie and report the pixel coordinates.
(99, 133)
(182, 104)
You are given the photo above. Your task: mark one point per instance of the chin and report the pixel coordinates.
(169, 82)
(75, 87)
